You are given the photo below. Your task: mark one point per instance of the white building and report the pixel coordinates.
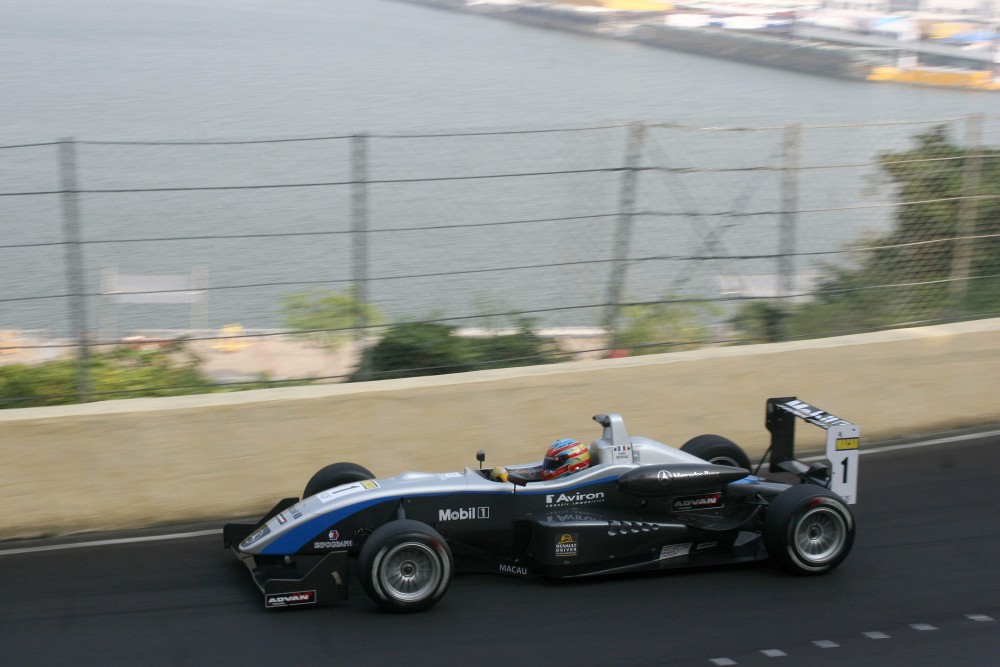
(972, 9)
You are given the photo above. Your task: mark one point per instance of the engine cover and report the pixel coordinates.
(678, 478)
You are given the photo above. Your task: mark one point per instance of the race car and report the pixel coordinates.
(629, 504)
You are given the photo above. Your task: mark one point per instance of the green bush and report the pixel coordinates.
(523, 348)
(418, 348)
(121, 373)
(665, 327)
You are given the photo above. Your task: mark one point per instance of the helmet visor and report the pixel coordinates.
(551, 463)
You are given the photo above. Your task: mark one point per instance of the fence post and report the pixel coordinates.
(790, 149)
(359, 247)
(623, 235)
(968, 212)
(75, 282)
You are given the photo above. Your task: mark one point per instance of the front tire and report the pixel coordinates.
(405, 566)
(718, 450)
(333, 475)
(808, 530)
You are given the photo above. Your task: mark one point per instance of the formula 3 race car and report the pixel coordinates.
(640, 505)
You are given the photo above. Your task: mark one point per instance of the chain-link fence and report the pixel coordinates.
(281, 260)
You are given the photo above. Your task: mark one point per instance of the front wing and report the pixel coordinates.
(307, 580)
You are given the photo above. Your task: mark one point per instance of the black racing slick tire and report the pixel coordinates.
(405, 566)
(718, 450)
(333, 475)
(808, 530)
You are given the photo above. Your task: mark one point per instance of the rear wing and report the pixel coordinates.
(842, 442)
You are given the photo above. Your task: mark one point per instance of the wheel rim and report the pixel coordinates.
(410, 572)
(725, 461)
(820, 535)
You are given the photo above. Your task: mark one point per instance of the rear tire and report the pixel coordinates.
(718, 450)
(808, 530)
(333, 475)
(405, 566)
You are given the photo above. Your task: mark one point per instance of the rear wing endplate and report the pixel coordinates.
(842, 441)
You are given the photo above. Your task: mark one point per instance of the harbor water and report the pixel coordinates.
(237, 70)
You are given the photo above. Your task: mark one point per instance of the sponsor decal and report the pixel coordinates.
(281, 519)
(256, 536)
(847, 443)
(464, 513)
(332, 494)
(703, 502)
(569, 516)
(369, 484)
(668, 476)
(289, 599)
(447, 475)
(334, 544)
(623, 453)
(296, 512)
(574, 498)
(705, 545)
(513, 569)
(675, 550)
(809, 413)
(566, 545)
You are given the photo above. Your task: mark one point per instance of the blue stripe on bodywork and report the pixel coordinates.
(296, 538)
(747, 480)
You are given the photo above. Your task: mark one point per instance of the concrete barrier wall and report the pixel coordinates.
(138, 462)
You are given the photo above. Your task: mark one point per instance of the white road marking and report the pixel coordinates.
(914, 445)
(826, 643)
(979, 617)
(935, 441)
(120, 540)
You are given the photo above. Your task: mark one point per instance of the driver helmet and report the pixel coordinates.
(565, 456)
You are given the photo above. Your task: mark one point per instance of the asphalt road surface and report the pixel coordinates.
(921, 587)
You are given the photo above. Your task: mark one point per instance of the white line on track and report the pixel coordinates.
(826, 643)
(216, 531)
(922, 443)
(101, 543)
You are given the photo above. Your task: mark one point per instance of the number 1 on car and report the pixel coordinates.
(842, 444)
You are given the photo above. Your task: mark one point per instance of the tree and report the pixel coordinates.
(949, 206)
(958, 191)
(326, 315)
